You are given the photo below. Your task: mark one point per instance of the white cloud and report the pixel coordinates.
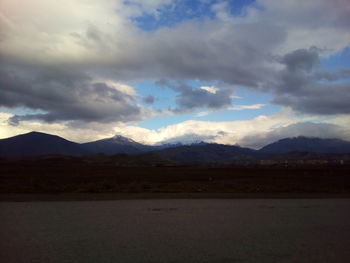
(253, 133)
(220, 132)
(247, 107)
(210, 89)
(342, 121)
(123, 88)
(202, 114)
(236, 107)
(68, 31)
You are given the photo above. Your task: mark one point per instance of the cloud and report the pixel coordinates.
(247, 107)
(301, 60)
(190, 98)
(211, 89)
(67, 95)
(236, 107)
(300, 86)
(202, 113)
(149, 99)
(302, 21)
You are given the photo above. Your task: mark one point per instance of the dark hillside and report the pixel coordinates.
(305, 144)
(36, 143)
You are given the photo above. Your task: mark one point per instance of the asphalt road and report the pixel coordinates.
(176, 230)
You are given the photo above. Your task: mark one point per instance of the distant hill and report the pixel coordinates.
(116, 144)
(204, 153)
(306, 144)
(36, 143)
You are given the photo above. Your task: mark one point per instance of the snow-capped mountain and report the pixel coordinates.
(116, 144)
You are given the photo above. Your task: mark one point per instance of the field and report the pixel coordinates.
(74, 176)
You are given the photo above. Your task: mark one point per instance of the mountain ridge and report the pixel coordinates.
(307, 144)
(205, 153)
(37, 143)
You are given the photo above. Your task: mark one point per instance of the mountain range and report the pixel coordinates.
(36, 144)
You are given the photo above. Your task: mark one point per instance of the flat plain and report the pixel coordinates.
(77, 176)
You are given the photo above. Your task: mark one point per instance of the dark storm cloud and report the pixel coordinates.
(65, 95)
(234, 53)
(300, 86)
(190, 98)
(326, 75)
(319, 99)
(301, 60)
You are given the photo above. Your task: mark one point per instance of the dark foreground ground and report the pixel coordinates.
(177, 231)
(66, 176)
(172, 214)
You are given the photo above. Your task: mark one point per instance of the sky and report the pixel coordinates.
(238, 72)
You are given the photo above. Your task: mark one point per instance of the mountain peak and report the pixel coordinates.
(119, 139)
(114, 145)
(36, 133)
(38, 143)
